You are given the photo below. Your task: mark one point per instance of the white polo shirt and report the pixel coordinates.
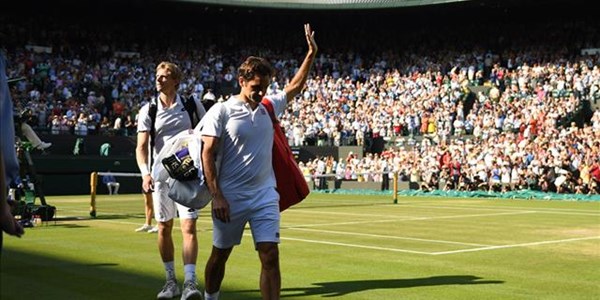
(170, 121)
(247, 137)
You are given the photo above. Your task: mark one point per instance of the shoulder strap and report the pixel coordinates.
(190, 106)
(152, 109)
(269, 106)
(207, 104)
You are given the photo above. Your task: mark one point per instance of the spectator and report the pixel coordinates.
(148, 214)
(33, 138)
(111, 183)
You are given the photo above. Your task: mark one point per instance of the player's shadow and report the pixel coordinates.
(341, 288)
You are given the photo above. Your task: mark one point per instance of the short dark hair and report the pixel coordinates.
(255, 66)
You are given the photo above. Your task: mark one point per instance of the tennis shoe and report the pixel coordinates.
(190, 291)
(144, 228)
(154, 229)
(169, 290)
(43, 146)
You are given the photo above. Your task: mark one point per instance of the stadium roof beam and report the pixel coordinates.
(325, 4)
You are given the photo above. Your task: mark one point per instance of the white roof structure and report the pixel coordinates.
(325, 4)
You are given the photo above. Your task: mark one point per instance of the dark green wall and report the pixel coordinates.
(70, 175)
(62, 173)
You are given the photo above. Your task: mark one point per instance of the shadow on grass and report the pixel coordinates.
(25, 275)
(118, 216)
(67, 225)
(341, 288)
(99, 217)
(58, 221)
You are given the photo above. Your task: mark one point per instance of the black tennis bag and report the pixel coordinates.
(180, 166)
(46, 212)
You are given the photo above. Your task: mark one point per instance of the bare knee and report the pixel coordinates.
(165, 228)
(269, 255)
(219, 256)
(188, 227)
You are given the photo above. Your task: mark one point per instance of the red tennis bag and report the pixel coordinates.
(291, 185)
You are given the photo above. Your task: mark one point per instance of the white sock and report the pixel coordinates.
(170, 270)
(213, 296)
(190, 272)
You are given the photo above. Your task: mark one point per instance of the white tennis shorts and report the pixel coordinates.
(165, 208)
(261, 211)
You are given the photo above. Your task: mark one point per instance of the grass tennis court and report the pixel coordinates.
(333, 246)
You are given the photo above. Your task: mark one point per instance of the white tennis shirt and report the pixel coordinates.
(247, 137)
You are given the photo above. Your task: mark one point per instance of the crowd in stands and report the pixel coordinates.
(488, 111)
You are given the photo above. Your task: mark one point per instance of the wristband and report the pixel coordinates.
(144, 170)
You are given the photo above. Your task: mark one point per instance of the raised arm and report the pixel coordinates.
(297, 83)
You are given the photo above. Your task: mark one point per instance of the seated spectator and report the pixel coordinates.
(111, 183)
(24, 129)
(33, 138)
(81, 127)
(105, 125)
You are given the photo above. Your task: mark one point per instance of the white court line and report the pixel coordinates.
(475, 215)
(344, 223)
(137, 224)
(569, 213)
(439, 253)
(388, 215)
(403, 250)
(86, 216)
(516, 245)
(310, 211)
(389, 237)
(355, 246)
(410, 219)
(562, 211)
(80, 218)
